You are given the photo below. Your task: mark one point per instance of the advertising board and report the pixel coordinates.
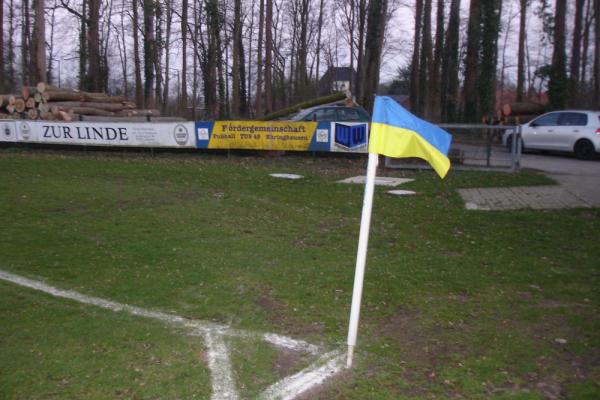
(282, 135)
(150, 134)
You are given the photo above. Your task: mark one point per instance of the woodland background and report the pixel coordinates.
(456, 61)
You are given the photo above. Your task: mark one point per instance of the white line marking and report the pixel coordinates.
(292, 344)
(223, 386)
(288, 388)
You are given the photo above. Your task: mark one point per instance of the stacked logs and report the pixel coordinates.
(51, 103)
(521, 112)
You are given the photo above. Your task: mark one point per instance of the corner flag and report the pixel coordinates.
(395, 132)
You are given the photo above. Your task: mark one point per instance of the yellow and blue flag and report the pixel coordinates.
(397, 133)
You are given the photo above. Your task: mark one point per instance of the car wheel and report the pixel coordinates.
(584, 150)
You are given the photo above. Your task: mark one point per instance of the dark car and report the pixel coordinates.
(333, 113)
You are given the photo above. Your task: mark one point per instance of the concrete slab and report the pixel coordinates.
(513, 198)
(402, 192)
(286, 176)
(379, 181)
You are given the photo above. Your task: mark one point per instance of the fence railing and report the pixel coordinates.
(476, 146)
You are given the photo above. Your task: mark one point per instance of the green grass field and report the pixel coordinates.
(457, 303)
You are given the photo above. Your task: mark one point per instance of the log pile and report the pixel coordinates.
(521, 112)
(51, 103)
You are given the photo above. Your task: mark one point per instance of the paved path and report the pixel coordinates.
(512, 198)
(578, 186)
(582, 178)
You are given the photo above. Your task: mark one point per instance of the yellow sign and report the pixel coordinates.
(262, 135)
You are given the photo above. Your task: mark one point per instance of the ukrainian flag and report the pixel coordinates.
(395, 132)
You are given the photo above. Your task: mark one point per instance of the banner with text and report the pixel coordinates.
(282, 135)
(141, 134)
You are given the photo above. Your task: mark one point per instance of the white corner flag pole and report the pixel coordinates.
(361, 256)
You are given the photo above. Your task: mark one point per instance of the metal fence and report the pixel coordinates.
(475, 147)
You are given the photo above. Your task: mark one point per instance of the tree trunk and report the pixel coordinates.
(318, 49)
(139, 96)
(449, 82)
(557, 86)
(169, 16)
(414, 94)
(10, 57)
(184, 20)
(209, 62)
(425, 61)
(434, 77)
(589, 18)
(360, 61)
(95, 81)
(83, 51)
(259, 72)
(489, 56)
(521, 53)
(377, 20)
(25, 43)
(50, 63)
(597, 54)
(158, 53)
(470, 111)
(269, 57)
(2, 63)
(236, 77)
(39, 43)
(301, 66)
(574, 98)
(149, 53)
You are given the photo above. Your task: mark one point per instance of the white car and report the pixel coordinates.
(574, 131)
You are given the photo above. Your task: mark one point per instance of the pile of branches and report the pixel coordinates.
(50, 103)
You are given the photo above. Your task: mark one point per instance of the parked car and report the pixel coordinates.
(333, 113)
(573, 131)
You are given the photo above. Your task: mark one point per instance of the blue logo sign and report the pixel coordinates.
(351, 136)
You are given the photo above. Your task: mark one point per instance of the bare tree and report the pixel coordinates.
(472, 62)
(597, 54)
(269, 57)
(25, 43)
(51, 60)
(576, 54)
(9, 65)
(416, 56)
(434, 77)
(184, 22)
(449, 81)
(149, 52)
(168, 22)
(2, 63)
(377, 18)
(139, 94)
(259, 73)
(319, 44)
(425, 62)
(238, 73)
(557, 85)
(521, 51)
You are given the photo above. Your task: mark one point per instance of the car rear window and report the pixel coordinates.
(348, 114)
(573, 119)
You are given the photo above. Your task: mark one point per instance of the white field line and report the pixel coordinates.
(223, 386)
(218, 355)
(289, 388)
(172, 319)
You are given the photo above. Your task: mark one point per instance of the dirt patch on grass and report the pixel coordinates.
(287, 362)
(280, 315)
